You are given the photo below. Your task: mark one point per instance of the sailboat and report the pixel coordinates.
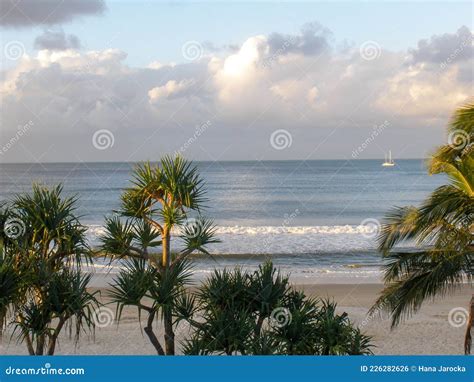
(388, 162)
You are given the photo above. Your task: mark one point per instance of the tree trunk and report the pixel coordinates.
(29, 342)
(54, 338)
(29, 345)
(149, 332)
(169, 334)
(40, 345)
(167, 315)
(470, 323)
(166, 259)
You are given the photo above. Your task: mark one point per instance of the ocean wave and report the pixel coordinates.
(97, 230)
(296, 230)
(283, 239)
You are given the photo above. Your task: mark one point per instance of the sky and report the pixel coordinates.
(125, 81)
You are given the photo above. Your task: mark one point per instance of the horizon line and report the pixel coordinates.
(210, 161)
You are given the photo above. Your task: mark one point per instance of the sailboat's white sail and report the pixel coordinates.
(389, 162)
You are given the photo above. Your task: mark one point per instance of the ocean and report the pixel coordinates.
(317, 220)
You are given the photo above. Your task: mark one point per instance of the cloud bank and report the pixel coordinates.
(27, 13)
(324, 96)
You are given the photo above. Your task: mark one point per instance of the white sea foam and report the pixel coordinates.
(298, 230)
(96, 230)
(310, 254)
(283, 239)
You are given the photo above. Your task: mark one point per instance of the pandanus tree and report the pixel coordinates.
(41, 284)
(234, 306)
(9, 288)
(259, 313)
(442, 229)
(164, 202)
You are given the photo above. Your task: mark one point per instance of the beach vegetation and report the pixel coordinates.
(42, 288)
(164, 202)
(260, 313)
(441, 230)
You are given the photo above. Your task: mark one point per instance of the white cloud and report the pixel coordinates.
(172, 89)
(313, 95)
(419, 93)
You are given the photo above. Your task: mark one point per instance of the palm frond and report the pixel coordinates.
(441, 228)
(198, 234)
(411, 278)
(463, 119)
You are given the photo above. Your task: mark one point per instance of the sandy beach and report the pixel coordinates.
(428, 332)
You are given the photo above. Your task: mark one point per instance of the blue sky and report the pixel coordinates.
(154, 30)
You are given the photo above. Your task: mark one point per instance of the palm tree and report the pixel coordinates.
(156, 207)
(441, 228)
(42, 247)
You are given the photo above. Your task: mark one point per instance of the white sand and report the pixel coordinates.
(428, 332)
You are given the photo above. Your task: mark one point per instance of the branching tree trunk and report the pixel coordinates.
(29, 345)
(158, 202)
(151, 335)
(54, 337)
(470, 323)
